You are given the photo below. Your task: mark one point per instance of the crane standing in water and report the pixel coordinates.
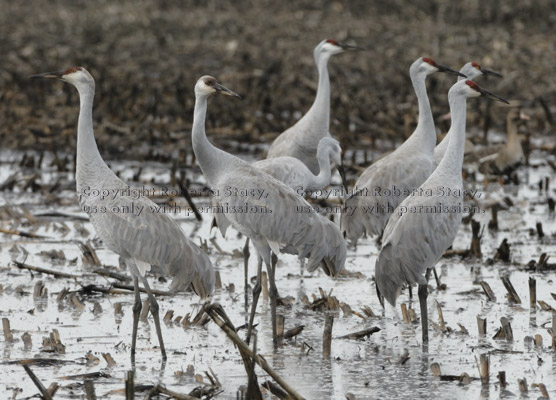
(143, 238)
(302, 139)
(425, 224)
(276, 220)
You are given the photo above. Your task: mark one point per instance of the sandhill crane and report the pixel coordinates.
(128, 223)
(511, 155)
(384, 184)
(262, 208)
(425, 224)
(472, 70)
(294, 173)
(302, 139)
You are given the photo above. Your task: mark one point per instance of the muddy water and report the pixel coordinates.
(366, 368)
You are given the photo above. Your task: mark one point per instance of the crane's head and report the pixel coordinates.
(427, 66)
(329, 47)
(333, 148)
(77, 76)
(469, 88)
(207, 85)
(473, 70)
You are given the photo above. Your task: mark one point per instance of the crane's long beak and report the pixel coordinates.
(350, 47)
(442, 68)
(55, 75)
(342, 172)
(224, 90)
(491, 73)
(486, 93)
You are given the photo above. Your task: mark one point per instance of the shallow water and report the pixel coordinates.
(366, 368)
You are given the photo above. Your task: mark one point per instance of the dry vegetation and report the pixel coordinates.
(146, 57)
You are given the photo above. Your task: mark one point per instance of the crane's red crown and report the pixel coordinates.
(332, 41)
(472, 85)
(474, 64)
(429, 61)
(71, 70)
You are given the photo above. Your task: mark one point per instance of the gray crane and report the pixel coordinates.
(294, 173)
(385, 183)
(128, 224)
(425, 224)
(302, 139)
(262, 208)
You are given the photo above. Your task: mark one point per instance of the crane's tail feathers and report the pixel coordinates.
(391, 274)
(219, 218)
(203, 285)
(328, 267)
(204, 278)
(379, 295)
(352, 221)
(329, 251)
(197, 273)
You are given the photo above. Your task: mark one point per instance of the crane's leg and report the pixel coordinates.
(302, 266)
(256, 294)
(271, 268)
(423, 293)
(246, 255)
(136, 312)
(154, 311)
(410, 290)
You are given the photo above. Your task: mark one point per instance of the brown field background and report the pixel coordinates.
(146, 57)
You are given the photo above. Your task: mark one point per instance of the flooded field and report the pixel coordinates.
(66, 300)
(43, 227)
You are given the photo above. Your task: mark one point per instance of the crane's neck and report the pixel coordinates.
(89, 162)
(321, 180)
(452, 162)
(424, 132)
(318, 116)
(440, 149)
(208, 156)
(511, 130)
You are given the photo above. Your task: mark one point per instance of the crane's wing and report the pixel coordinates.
(379, 190)
(414, 239)
(139, 229)
(288, 170)
(220, 219)
(274, 213)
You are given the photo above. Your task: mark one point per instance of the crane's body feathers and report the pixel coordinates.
(280, 219)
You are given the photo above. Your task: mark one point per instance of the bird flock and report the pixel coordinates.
(396, 198)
